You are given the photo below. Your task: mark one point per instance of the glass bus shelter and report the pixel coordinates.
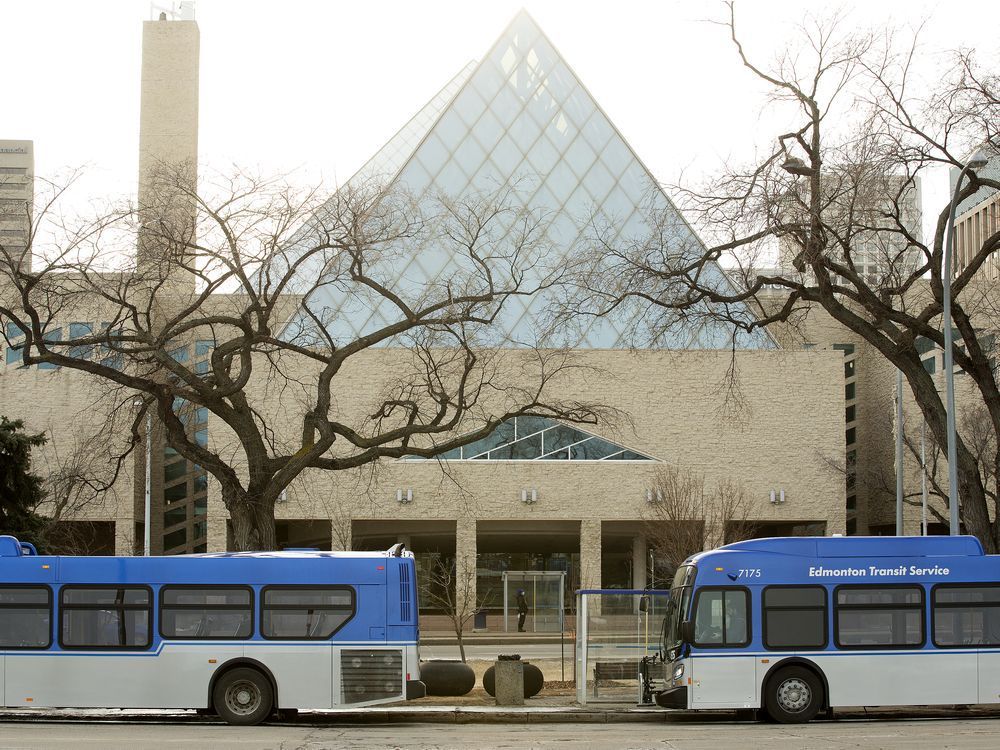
(616, 628)
(543, 591)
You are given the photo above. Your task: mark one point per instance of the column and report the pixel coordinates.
(590, 562)
(341, 534)
(216, 518)
(465, 565)
(217, 540)
(590, 554)
(125, 537)
(715, 534)
(640, 560)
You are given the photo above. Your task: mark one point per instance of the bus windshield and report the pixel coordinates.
(680, 597)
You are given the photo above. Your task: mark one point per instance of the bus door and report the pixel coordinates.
(723, 673)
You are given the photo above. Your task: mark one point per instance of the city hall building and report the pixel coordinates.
(537, 495)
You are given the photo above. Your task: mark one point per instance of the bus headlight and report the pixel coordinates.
(678, 673)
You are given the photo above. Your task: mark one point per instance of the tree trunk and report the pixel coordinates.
(972, 500)
(973, 510)
(253, 521)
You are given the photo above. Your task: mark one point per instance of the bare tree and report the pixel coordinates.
(287, 293)
(685, 517)
(974, 422)
(80, 480)
(454, 592)
(826, 220)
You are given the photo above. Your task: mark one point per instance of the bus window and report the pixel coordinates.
(305, 612)
(190, 612)
(720, 618)
(105, 617)
(25, 617)
(966, 616)
(880, 616)
(794, 617)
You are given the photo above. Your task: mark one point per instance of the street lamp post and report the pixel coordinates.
(976, 162)
(147, 513)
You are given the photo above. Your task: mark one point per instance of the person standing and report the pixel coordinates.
(522, 610)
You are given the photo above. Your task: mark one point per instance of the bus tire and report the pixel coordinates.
(794, 695)
(243, 696)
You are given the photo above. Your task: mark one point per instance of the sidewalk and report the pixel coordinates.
(538, 711)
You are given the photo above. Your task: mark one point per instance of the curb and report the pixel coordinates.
(443, 715)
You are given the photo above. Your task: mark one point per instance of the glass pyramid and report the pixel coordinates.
(521, 118)
(539, 439)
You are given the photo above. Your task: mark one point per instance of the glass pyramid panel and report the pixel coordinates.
(539, 439)
(521, 119)
(385, 164)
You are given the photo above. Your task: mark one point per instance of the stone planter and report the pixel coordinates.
(533, 680)
(445, 678)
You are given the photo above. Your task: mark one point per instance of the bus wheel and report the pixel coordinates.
(794, 695)
(243, 696)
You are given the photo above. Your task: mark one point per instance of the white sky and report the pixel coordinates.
(320, 86)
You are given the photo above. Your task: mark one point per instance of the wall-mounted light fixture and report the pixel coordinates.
(777, 497)
(404, 496)
(529, 497)
(654, 496)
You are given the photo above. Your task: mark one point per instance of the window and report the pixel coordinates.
(880, 617)
(174, 516)
(175, 493)
(79, 331)
(721, 618)
(50, 337)
(25, 617)
(540, 439)
(105, 617)
(175, 470)
(206, 612)
(175, 539)
(966, 616)
(794, 617)
(849, 391)
(305, 612)
(179, 355)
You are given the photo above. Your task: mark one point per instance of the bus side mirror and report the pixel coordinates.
(687, 631)
(644, 603)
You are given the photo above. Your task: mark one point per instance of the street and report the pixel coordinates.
(489, 652)
(708, 735)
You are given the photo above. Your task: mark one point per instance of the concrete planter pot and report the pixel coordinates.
(533, 680)
(444, 678)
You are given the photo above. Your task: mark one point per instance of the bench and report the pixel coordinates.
(614, 670)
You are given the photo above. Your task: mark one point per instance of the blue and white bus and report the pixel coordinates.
(794, 626)
(240, 634)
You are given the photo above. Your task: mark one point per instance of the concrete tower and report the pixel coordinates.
(17, 166)
(168, 121)
(168, 159)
